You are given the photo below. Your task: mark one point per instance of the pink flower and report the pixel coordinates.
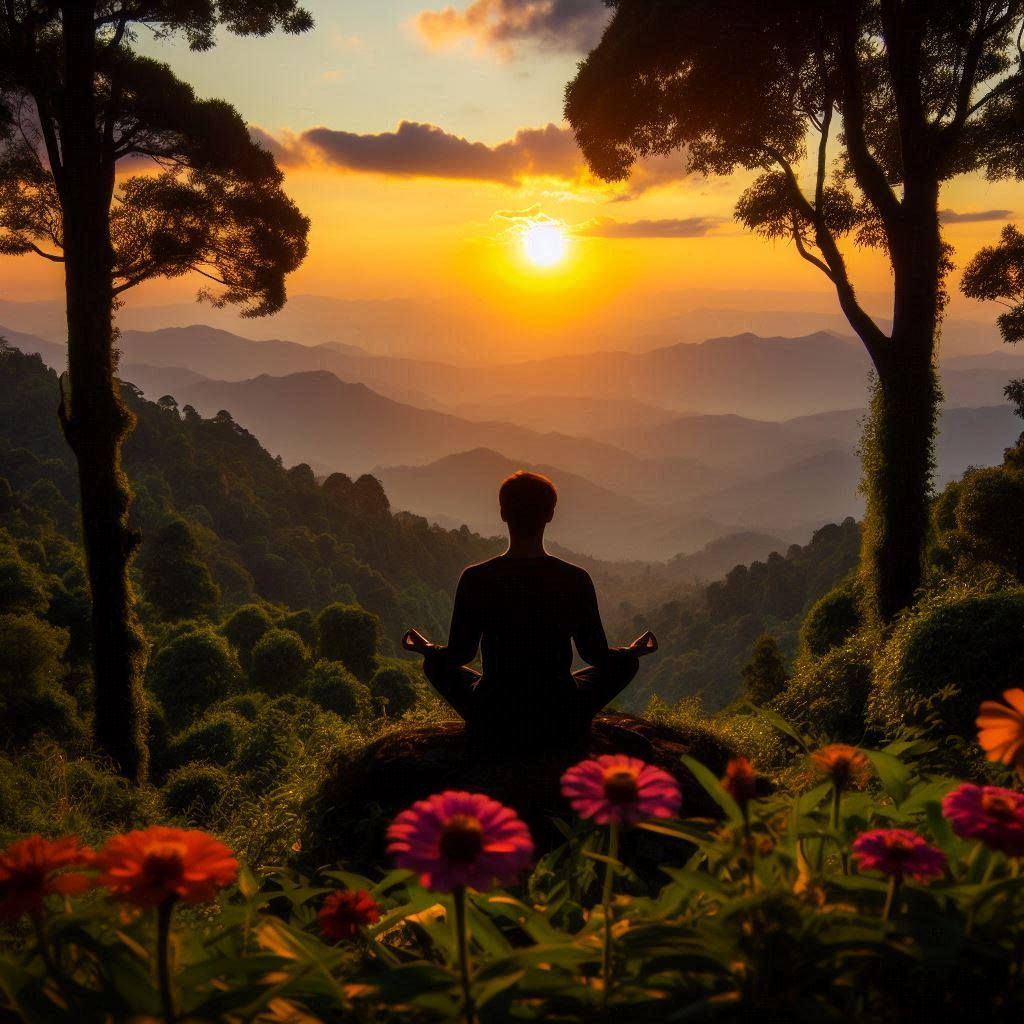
(620, 789)
(455, 839)
(993, 815)
(898, 852)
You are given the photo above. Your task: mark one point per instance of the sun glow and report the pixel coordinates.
(544, 244)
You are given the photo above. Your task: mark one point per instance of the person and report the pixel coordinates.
(523, 610)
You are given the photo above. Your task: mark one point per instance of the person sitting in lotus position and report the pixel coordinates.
(524, 609)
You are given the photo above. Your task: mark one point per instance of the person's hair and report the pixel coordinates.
(527, 500)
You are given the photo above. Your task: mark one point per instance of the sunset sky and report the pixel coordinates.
(421, 140)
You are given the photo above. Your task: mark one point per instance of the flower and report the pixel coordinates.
(845, 765)
(989, 813)
(614, 788)
(740, 780)
(898, 852)
(345, 912)
(151, 866)
(32, 869)
(1001, 728)
(455, 839)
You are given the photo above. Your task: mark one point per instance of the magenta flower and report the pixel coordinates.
(989, 813)
(620, 790)
(898, 852)
(456, 839)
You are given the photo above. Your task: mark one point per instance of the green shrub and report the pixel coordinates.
(245, 704)
(397, 690)
(192, 672)
(112, 801)
(765, 675)
(334, 688)
(265, 752)
(973, 642)
(244, 628)
(195, 792)
(350, 634)
(280, 663)
(215, 739)
(304, 623)
(827, 695)
(832, 620)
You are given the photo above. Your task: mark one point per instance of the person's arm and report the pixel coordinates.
(464, 632)
(589, 634)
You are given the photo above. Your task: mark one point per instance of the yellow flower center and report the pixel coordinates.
(620, 786)
(462, 839)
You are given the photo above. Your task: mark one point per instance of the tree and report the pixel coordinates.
(923, 92)
(74, 102)
(280, 663)
(244, 629)
(176, 581)
(765, 676)
(349, 634)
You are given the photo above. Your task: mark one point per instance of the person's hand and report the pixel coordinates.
(414, 640)
(645, 644)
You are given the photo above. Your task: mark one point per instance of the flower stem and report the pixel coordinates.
(606, 903)
(462, 944)
(44, 949)
(837, 799)
(163, 932)
(890, 898)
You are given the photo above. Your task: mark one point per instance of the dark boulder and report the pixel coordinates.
(364, 790)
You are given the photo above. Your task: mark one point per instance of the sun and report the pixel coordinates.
(544, 244)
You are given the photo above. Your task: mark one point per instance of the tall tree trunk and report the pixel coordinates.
(899, 442)
(95, 420)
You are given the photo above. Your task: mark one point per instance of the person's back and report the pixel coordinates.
(523, 610)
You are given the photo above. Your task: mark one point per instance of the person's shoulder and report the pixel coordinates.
(570, 569)
(478, 569)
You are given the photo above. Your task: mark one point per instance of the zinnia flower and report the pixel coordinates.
(614, 788)
(845, 765)
(740, 780)
(455, 839)
(1001, 728)
(34, 868)
(151, 866)
(345, 912)
(898, 852)
(989, 813)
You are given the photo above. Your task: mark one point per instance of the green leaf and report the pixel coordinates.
(780, 723)
(714, 788)
(894, 774)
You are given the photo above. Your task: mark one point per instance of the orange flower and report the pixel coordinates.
(1001, 728)
(740, 780)
(845, 765)
(161, 864)
(29, 873)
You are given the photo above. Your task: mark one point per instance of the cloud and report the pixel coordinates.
(418, 150)
(973, 216)
(497, 25)
(686, 227)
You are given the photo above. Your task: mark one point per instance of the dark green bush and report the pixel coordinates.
(350, 634)
(244, 627)
(265, 753)
(397, 691)
(245, 704)
(215, 739)
(832, 620)
(195, 791)
(827, 696)
(112, 800)
(191, 673)
(334, 688)
(279, 663)
(765, 675)
(971, 641)
(304, 623)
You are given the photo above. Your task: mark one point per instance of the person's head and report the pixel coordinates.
(527, 502)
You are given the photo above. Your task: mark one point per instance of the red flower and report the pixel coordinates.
(157, 864)
(345, 912)
(740, 780)
(845, 765)
(1001, 728)
(897, 852)
(993, 815)
(456, 839)
(30, 871)
(620, 789)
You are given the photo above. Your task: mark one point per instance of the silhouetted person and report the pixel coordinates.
(524, 609)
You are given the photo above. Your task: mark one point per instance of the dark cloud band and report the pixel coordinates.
(686, 227)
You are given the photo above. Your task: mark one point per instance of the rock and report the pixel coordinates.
(348, 816)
